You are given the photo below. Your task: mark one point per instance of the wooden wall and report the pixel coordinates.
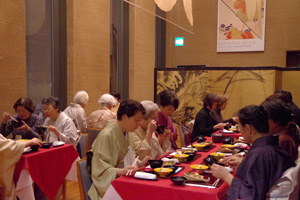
(141, 51)
(88, 43)
(12, 54)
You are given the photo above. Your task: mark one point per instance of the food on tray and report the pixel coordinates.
(227, 150)
(218, 155)
(195, 177)
(199, 167)
(169, 162)
(163, 172)
(229, 146)
(181, 157)
(199, 146)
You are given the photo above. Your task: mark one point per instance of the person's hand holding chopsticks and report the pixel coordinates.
(129, 172)
(25, 127)
(6, 116)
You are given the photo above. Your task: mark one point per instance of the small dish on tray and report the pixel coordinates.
(200, 168)
(46, 145)
(163, 172)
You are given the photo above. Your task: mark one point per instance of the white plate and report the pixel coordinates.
(27, 150)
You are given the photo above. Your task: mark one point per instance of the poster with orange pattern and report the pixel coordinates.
(241, 25)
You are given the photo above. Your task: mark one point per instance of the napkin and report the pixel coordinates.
(57, 143)
(227, 131)
(27, 149)
(240, 145)
(168, 159)
(188, 149)
(144, 175)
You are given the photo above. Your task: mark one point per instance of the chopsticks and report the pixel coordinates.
(216, 183)
(133, 164)
(13, 118)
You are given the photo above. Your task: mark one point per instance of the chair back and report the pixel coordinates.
(287, 187)
(2, 193)
(186, 133)
(84, 181)
(93, 133)
(83, 144)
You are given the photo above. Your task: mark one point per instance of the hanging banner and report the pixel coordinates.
(241, 25)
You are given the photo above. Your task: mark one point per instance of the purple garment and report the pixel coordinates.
(162, 120)
(263, 165)
(33, 121)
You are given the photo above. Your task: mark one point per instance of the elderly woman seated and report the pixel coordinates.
(76, 110)
(24, 123)
(143, 140)
(98, 118)
(60, 126)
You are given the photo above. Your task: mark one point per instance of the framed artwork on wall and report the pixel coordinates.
(241, 25)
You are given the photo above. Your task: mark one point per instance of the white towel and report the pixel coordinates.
(144, 175)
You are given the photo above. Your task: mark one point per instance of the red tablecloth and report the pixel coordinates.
(131, 188)
(48, 167)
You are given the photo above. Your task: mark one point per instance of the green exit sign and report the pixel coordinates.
(179, 41)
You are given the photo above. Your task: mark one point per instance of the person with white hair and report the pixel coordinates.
(98, 118)
(143, 140)
(76, 110)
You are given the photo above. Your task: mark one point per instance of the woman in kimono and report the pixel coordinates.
(25, 128)
(143, 140)
(113, 157)
(168, 103)
(98, 118)
(264, 163)
(10, 153)
(60, 126)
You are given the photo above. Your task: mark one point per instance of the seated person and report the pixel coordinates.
(10, 153)
(280, 116)
(118, 98)
(112, 157)
(143, 140)
(264, 163)
(98, 118)
(203, 122)
(168, 103)
(76, 110)
(295, 109)
(60, 126)
(27, 122)
(216, 114)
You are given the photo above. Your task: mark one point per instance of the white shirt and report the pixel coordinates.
(66, 128)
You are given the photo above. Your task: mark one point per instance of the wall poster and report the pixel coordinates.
(241, 25)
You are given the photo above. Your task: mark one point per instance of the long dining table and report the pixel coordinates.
(131, 188)
(47, 168)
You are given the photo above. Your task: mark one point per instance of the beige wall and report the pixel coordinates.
(141, 51)
(88, 41)
(12, 54)
(282, 34)
(290, 82)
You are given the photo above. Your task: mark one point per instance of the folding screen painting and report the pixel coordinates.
(241, 25)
